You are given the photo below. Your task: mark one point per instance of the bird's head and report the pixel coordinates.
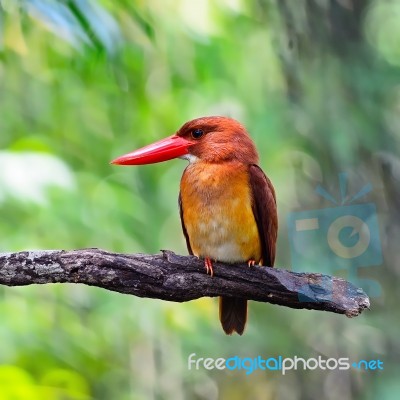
(209, 139)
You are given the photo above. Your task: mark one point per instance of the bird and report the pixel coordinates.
(227, 204)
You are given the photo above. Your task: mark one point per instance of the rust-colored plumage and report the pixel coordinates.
(227, 204)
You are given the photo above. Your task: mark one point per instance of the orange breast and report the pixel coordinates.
(217, 213)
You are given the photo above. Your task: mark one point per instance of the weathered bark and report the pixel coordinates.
(168, 276)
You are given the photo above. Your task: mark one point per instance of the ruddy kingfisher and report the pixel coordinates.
(227, 204)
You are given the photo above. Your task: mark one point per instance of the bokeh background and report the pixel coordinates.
(316, 82)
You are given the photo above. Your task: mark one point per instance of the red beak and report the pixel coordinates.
(166, 149)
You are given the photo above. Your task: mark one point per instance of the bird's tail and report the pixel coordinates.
(232, 314)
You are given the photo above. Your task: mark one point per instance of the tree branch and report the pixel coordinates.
(168, 276)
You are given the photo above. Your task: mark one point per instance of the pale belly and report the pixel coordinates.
(219, 219)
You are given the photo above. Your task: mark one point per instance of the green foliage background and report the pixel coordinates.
(317, 85)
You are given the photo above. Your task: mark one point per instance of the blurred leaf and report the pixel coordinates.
(16, 384)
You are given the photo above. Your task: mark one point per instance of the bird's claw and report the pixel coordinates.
(251, 263)
(209, 266)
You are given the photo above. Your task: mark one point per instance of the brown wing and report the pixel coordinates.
(183, 225)
(265, 213)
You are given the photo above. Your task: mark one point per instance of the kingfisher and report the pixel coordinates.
(227, 204)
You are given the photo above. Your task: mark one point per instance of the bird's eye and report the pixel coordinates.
(197, 133)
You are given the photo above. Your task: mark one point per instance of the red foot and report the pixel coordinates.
(251, 263)
(209, 266)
